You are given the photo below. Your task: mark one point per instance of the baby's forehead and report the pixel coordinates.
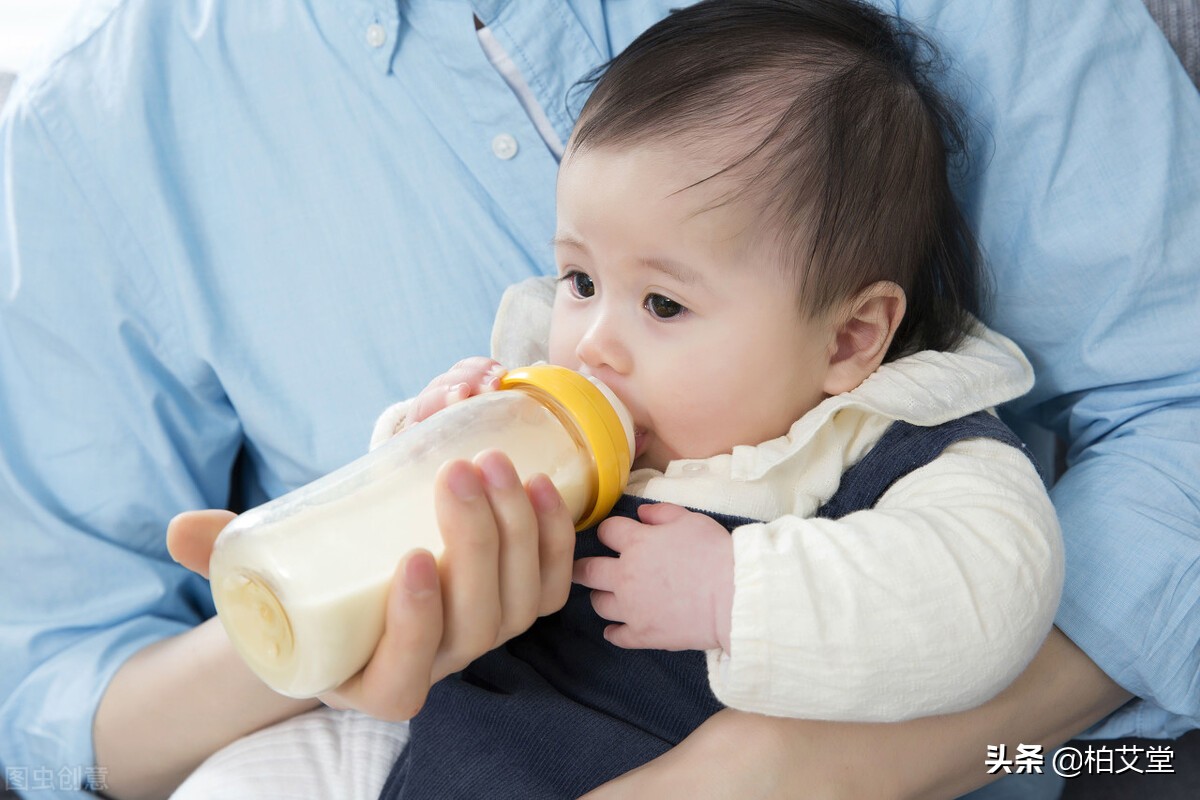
(666, 191)
(695, 182)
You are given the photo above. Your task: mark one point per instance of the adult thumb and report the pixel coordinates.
(191, 535)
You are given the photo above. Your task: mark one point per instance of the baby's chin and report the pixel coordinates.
(642, 463)
(648, 461)
(650, 452)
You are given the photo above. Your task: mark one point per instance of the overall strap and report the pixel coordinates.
(904, 448)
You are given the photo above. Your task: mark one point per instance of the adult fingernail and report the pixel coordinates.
(420, 574)
(464, 483)
(544, 494)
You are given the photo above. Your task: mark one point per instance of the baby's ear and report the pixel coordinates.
(868, 322)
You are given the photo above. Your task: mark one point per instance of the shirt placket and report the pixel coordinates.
(442, 64)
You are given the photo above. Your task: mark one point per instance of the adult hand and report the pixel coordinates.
(507, 560)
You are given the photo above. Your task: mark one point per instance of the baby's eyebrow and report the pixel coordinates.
(676, 270)
(567, 240)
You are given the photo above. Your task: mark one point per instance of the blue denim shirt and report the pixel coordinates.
(247, 227)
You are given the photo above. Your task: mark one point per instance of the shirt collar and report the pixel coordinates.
(488, 10)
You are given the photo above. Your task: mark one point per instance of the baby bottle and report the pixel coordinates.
(300, 583)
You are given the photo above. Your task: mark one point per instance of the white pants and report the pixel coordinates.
(323, 753)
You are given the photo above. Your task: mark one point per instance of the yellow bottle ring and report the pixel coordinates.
(596, 421)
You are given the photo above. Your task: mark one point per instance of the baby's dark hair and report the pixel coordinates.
(854, 148)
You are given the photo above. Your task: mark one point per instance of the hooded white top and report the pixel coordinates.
(930, 602)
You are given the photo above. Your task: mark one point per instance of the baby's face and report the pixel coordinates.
(671, 302)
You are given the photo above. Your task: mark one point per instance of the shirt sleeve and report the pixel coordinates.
(106, 432)
(929, 603)
(1132, 596)
(1088, 151)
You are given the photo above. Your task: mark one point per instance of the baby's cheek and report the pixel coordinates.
(719, 424)
(563, 339)
(562, 353)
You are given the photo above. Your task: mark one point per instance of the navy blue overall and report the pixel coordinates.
(557, 711)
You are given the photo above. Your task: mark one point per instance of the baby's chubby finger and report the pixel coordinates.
(661, 513)
(598, 572)
(471, 377)
(467, 378)
(622, 635)
(619, 533)
(606, 605)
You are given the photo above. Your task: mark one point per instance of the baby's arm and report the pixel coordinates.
(929, 603)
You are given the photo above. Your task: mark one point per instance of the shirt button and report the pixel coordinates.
(376, 35)
(504, 147)
(694, 467)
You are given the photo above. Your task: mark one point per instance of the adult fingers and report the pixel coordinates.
(517, 527)
(556, 543)
(394, 683)
(192, 534)
(469, 567)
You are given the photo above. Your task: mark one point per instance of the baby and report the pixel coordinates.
(759, 252)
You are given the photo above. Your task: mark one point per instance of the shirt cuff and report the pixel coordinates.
(389, 423)
(46, 724)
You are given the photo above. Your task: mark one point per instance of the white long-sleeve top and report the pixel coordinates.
(930, 602)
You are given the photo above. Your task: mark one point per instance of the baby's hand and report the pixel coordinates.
(467, 378)
(672, 586)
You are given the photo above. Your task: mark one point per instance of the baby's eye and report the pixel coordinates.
(662, 307)
(580, 282)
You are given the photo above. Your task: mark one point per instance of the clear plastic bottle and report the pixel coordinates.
(300, 583)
